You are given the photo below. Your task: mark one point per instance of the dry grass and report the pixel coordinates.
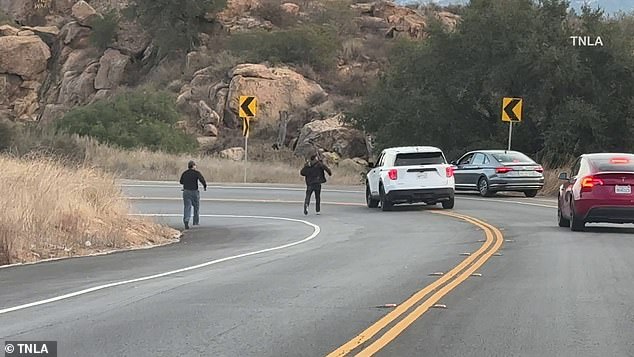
(50, 211)
(552, 183)
(265, 167)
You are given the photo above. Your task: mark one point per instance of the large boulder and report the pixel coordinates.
(6, 30)
(276, 88)
(77, 88)
(112, 66)
(75, 35)
(331, 135)
(26, 56)
(18, 98)
(235, 154)
(132, 39)
(84, 13)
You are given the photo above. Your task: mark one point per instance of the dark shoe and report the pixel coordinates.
(305, 210)
(318, 213)
(186, 225)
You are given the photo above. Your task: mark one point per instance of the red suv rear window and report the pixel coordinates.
(616, 163)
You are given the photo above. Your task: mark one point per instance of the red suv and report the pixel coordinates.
(599, 189)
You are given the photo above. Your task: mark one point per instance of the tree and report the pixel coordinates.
(174, 25)
(447, 91)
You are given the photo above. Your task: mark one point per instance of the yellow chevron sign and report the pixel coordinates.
(248, 106)
(512, 109)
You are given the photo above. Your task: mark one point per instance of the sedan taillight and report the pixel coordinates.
(503, 170)
(392, 174)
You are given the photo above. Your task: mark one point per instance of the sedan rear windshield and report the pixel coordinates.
(419, 158)
(614, 164)
(511, 157)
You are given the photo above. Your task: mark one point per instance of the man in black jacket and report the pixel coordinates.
(313, 171)
(191, 195)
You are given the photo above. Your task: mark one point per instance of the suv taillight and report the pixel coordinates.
(392, 174)
(588, 183)
(449, 171)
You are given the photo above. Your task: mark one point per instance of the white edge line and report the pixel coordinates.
(316, 231)
(240, 187)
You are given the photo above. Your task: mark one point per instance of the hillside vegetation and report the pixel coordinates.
(447, 91)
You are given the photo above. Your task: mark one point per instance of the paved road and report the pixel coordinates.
(549, 293)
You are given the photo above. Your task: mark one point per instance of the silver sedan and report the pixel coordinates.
(491, 171)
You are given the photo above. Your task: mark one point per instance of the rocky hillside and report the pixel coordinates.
(50, 63)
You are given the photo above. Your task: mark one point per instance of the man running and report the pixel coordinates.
(313, 171)
(191, 195)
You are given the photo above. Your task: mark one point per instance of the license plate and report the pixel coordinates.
(526, 173)
(422, 175)
(623, 189)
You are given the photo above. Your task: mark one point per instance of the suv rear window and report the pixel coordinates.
(419, 158)
(614, 163)
(511, 157)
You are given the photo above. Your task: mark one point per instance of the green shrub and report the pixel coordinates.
(104, 30)
(315, 45)
(272, 11)
(130, 120)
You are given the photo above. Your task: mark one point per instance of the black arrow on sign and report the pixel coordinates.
(509, 109)
(245, 106)
(245, 126)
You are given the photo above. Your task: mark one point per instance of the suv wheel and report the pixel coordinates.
(386, 205)
(448, 204)
(483, 187)
(372, 203)
(576, 223)
(530, 193)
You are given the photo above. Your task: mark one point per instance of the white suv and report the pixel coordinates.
(408, 175)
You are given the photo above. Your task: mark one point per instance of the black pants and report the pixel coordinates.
(309, 192)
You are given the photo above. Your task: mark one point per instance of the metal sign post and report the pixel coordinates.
(247, 109)
(510, 134)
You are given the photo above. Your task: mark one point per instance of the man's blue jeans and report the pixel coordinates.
(191, 198)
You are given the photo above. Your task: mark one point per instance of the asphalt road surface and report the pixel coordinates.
(258, 278)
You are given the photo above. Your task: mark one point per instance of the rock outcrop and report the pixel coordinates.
(331, 135)
(276, 88)
(235, 154)
(25, 56)
(112, 66)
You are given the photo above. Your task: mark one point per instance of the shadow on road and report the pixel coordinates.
(624, 229)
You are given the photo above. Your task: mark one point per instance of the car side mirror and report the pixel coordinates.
(564, 176)
(371, 165)
(454, 163)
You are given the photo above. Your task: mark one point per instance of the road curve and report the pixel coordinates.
(549, 292)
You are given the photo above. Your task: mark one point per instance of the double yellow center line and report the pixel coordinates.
(437, 289)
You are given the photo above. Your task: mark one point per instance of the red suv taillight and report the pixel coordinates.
(503, 170)
(449, 171)
(588, 183)
(392, 174)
